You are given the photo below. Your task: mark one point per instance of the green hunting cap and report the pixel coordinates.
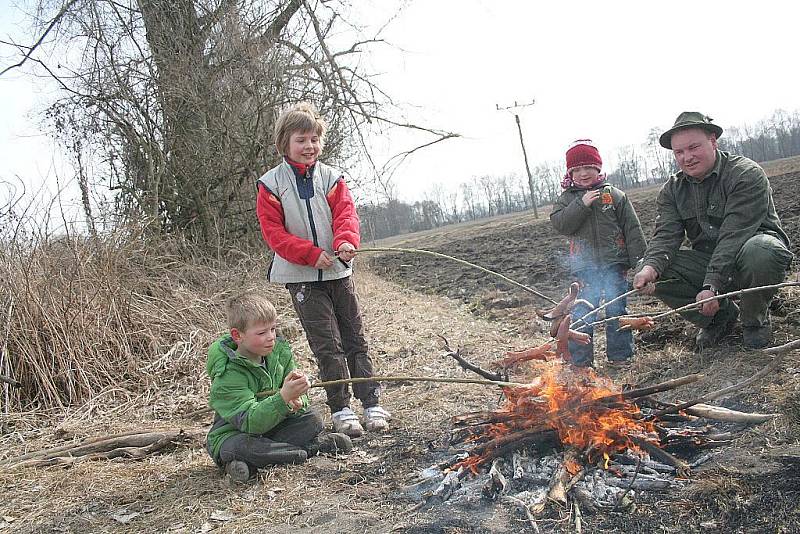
(689, 119)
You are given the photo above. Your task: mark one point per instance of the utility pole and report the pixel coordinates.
(524, 153)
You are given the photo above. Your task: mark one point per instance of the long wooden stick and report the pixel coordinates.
(406, 379)
(268, 392)
(725, 295)
(780, 351)
(612, 301)
(463, 262)
(701, 302)
(604, 306)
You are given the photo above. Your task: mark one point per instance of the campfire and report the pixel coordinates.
(574, 439)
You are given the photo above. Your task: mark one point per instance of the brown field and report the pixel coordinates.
(408, 300)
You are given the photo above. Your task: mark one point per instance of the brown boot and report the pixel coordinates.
(757, 337)
(721, 325)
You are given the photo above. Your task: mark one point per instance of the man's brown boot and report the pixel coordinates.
(720, 326)
(757, 337)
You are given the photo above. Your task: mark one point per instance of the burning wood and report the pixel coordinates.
(616, 442)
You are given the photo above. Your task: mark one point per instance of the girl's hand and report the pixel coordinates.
(347, 251)
(590, 196)
(325, 261)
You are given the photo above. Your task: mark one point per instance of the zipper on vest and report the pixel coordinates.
(311, 219)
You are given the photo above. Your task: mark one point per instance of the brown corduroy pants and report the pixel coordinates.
(331, 318)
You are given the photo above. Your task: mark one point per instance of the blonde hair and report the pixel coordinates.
(248, 308)
(302, 117)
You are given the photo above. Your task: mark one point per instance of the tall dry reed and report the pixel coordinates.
(82, 317)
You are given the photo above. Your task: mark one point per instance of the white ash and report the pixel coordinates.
(526, 480)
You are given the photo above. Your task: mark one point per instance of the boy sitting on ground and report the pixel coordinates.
(251, 431)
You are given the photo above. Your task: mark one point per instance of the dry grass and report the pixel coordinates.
(179, 492)
(109, 321)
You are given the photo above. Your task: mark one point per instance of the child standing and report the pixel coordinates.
(605, 240)
(251, 432)
(309, 220)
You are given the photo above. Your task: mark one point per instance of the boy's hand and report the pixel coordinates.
(590, 196)
(295, 404)
(295, 384)
(644, 280)
(347, 251)
(325, 261)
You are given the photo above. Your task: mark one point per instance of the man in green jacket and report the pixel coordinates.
(722, 205)
(259, 396)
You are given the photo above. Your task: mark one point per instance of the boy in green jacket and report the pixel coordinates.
(605, 240)
(250, 430)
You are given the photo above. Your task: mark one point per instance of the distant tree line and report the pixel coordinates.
(636, 166)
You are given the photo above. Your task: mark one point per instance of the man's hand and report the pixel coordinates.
(645, 279)
(325, 261)
(295, 384)
(709, 309)
(590, 196)
(347, 251)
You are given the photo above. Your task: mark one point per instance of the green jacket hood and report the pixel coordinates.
(220, 353)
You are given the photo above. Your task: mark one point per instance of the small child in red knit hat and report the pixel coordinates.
(605, 240)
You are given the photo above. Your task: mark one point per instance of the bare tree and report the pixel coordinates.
(177, 100)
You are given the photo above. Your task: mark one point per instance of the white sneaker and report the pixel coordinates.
(345, 421)
(376, 419)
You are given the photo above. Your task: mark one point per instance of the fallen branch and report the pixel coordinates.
(119, 452)
(130, 444)
(718, 413)
(464, 364)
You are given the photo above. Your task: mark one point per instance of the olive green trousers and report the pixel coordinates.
(763, 260)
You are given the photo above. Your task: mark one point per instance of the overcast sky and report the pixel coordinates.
(609, 71)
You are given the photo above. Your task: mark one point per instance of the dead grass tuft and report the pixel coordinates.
(112, 320)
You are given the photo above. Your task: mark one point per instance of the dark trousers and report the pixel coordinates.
(608, 282)
(763, 260)
(331, 318)
(278, 446)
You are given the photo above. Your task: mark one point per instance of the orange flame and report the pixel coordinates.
(565, 398)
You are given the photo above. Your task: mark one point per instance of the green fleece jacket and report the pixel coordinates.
(600, 234)
(235, 384)
(717, 215)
